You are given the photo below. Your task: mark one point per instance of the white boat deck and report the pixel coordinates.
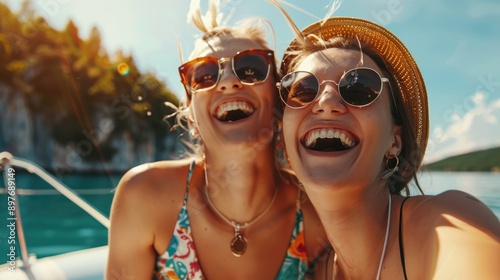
(88, 264)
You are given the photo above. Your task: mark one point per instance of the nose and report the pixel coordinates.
(228, 82)
(329, 101)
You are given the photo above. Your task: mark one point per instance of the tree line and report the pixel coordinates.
(72, 83)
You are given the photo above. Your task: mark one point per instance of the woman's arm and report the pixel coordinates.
(131, 251)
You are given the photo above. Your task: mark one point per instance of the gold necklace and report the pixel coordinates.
(238, 244)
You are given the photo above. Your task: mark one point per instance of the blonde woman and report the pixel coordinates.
(228, 212)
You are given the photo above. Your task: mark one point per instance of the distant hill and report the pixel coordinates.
(485, 160)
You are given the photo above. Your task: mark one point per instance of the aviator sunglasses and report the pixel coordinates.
(358, 87)
(249, 66)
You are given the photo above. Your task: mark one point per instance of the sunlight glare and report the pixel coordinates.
(123, 69)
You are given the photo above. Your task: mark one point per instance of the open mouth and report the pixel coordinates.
(329, 140)
(234, 111)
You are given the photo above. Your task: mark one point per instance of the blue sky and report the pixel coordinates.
(455, 43)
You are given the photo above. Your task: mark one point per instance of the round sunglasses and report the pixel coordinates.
(358, 87)
(249, 66)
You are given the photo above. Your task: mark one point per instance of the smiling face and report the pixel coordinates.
(329, 142)
(233, 112)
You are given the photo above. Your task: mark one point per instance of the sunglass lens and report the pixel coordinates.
(360, 87)
(298, 89)
(202, 74)
(251, 68)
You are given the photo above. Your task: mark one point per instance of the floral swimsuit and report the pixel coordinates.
(181, 262)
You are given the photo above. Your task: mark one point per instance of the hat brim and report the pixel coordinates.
(407, 75)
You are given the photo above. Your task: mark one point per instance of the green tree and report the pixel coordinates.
(71, 82)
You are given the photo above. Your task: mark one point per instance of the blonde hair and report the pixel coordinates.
(212, 27)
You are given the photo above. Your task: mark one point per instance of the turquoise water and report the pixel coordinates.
(54, 225)
(483, 185)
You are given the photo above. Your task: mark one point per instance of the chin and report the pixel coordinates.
(317, 177)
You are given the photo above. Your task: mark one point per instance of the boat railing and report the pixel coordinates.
(7, 160)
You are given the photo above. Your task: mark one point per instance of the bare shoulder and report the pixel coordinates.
(455, 205)
(155, 176)
(143, 213)
(145, 189)
(452, 235)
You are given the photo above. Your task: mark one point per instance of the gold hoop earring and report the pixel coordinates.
(390, 170)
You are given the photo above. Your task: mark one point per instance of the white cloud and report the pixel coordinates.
(473, 130)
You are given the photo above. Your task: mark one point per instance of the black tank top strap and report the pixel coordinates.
(401, 248)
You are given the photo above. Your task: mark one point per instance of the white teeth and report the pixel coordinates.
(323, 133)
(310, 141)
(312, 136)
(232, 106)
(342, 137)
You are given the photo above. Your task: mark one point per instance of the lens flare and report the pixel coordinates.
(123, 69)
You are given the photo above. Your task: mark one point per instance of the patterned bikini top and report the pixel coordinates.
(180, 260)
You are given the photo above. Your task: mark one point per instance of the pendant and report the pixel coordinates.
(238, 243)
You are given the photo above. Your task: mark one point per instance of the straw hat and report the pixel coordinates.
(406, 73)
